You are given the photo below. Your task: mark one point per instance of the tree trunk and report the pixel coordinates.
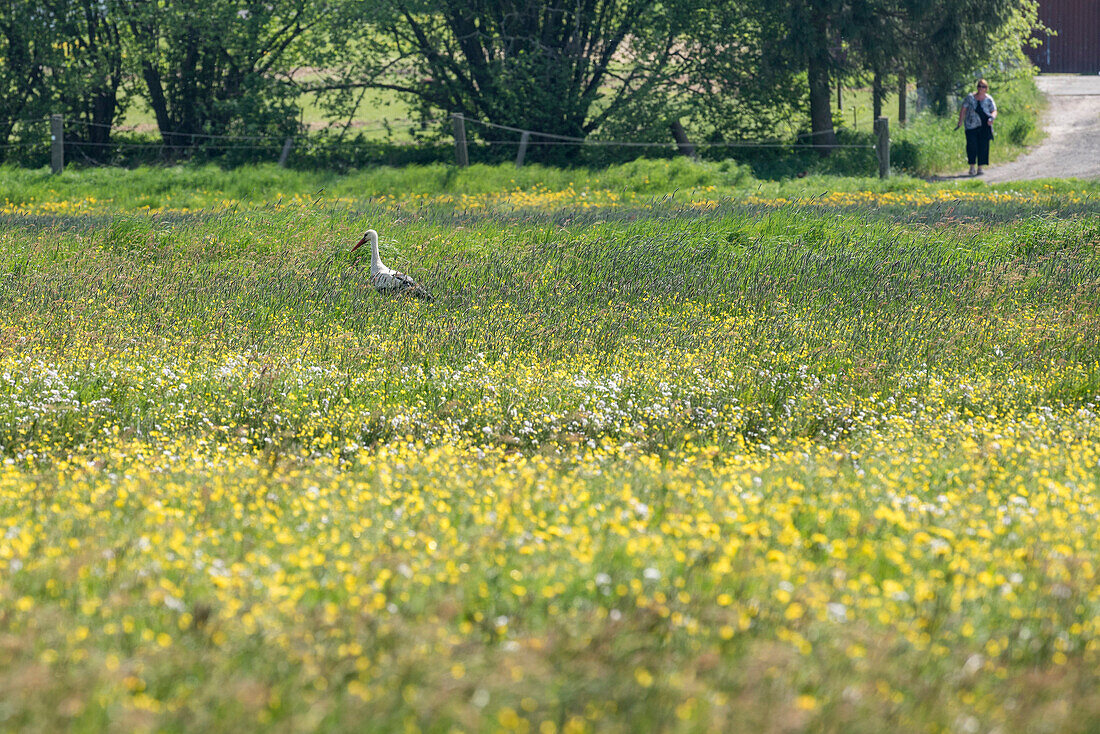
(103, 116)
(877, 93)
(159, 103)
(821, 112)
(818, 72)
(682, 142)
(903, 97)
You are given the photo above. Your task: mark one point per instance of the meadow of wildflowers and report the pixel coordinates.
(688, 460)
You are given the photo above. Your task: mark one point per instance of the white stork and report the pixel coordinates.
(387, 280)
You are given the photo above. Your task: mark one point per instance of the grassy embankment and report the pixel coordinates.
(688, 462)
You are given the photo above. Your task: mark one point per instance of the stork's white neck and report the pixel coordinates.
(375, 260)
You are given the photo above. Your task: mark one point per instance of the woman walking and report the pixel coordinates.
(977, 113)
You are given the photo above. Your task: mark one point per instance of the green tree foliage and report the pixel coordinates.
(936, 42)
(951, 39)
(91, 75)
(28, 52)
(61, 56)
(218, 66)
(728, 83)
(564, 67)
(622, 68)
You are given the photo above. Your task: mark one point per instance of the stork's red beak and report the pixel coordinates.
(359, 243)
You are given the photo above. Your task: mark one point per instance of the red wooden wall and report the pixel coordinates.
(1076, 48)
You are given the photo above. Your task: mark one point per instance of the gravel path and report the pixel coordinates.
(1072, 124)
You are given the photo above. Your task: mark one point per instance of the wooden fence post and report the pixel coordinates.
(522, 152)
(682, 141)
(57, 143)
(882, 146)
(462, 156)
(286, 152)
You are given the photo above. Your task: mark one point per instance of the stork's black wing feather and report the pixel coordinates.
(411, 287)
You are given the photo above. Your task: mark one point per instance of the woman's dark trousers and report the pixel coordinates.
(977, 146)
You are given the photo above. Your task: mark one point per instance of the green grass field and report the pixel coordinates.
(673, 450)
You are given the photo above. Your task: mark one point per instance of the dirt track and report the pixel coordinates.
(1072, 123)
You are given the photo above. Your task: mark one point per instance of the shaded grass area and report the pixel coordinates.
(210, 187)
(784, 466)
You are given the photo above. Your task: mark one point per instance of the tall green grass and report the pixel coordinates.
(254, 281)
(210, 186)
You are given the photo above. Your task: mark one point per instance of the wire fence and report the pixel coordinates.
(554, 139)
(679, 143)
(109, 144)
